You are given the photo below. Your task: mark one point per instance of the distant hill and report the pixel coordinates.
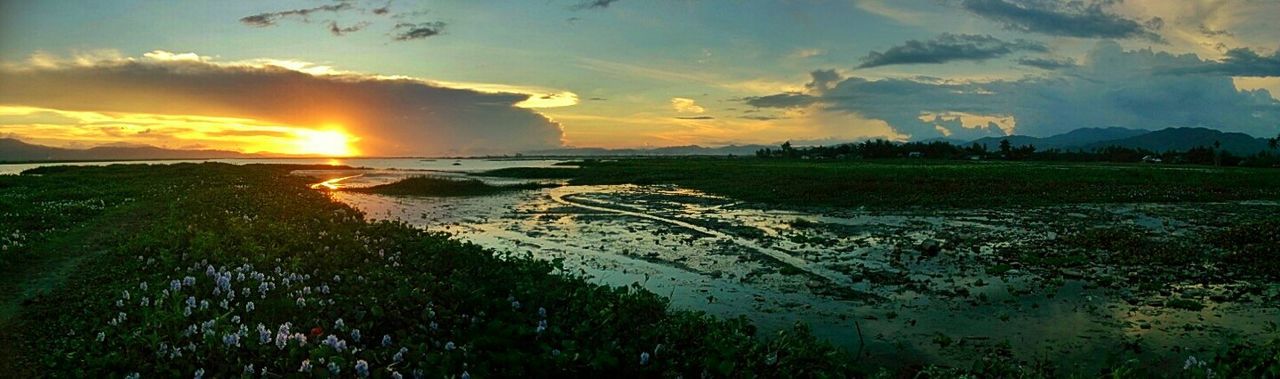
(1073, 139)
(659, 151)
(1182, 139)
(13, 150)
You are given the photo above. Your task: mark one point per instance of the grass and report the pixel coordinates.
(898, 183)
(221, 270)
(434, 186)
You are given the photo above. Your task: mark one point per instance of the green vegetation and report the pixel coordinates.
(220, 270)
(534, 172)
(434, 186)
(898, 183)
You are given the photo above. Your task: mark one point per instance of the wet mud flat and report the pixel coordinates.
(1069, 283)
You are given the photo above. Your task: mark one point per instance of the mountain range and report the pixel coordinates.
(13, 150)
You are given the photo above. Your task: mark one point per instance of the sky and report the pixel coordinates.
(401, 78)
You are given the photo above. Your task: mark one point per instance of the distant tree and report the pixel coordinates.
(1006, 148)
(1274, 142)
(1217, 153)
(787, 150)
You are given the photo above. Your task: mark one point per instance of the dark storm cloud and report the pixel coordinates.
(1110, 87)
(1047, 63)
(949, 47)
(1058, 18)
(1238, 62)
(409, 31)
(390, 116)
(270, 18)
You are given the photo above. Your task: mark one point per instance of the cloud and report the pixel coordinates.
(594, 4)
(1110, 87)
(410, 31)
(684, 105)
(390, 115)
(822, 80)
(807, 53)
(1237, 62)
(782, 100)
(271, 18)
(696, 118)
(949, 47)
(1067, 19)
(1047, 63)
(340, 31)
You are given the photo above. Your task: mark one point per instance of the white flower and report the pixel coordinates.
(189, 281)
(334, 369)
(232, 339)
(125, 295)
(386, 340)
(362, 368)
(339, 324)
(142, 286)
(396, 375)
(199, 374)
(542, 312)
(133, 375)
(248, 307)
(306, 366)
(355, 335)
(450, 346)
(248, 369)
(175, 285)
(102, 336)
(644, 358)
(465, 375)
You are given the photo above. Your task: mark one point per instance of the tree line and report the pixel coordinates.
(882, 149)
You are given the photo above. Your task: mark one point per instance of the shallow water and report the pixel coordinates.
(442, 164)
(867, 281)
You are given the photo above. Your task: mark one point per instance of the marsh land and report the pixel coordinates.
(663, 267)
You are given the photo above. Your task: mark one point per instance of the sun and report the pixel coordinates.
(332, 142)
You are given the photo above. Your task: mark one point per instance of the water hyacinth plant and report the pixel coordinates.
(267, 278)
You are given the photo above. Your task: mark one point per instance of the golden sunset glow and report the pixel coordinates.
(77, 129)
(333, 142)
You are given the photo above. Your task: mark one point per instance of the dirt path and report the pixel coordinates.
(44, 268)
